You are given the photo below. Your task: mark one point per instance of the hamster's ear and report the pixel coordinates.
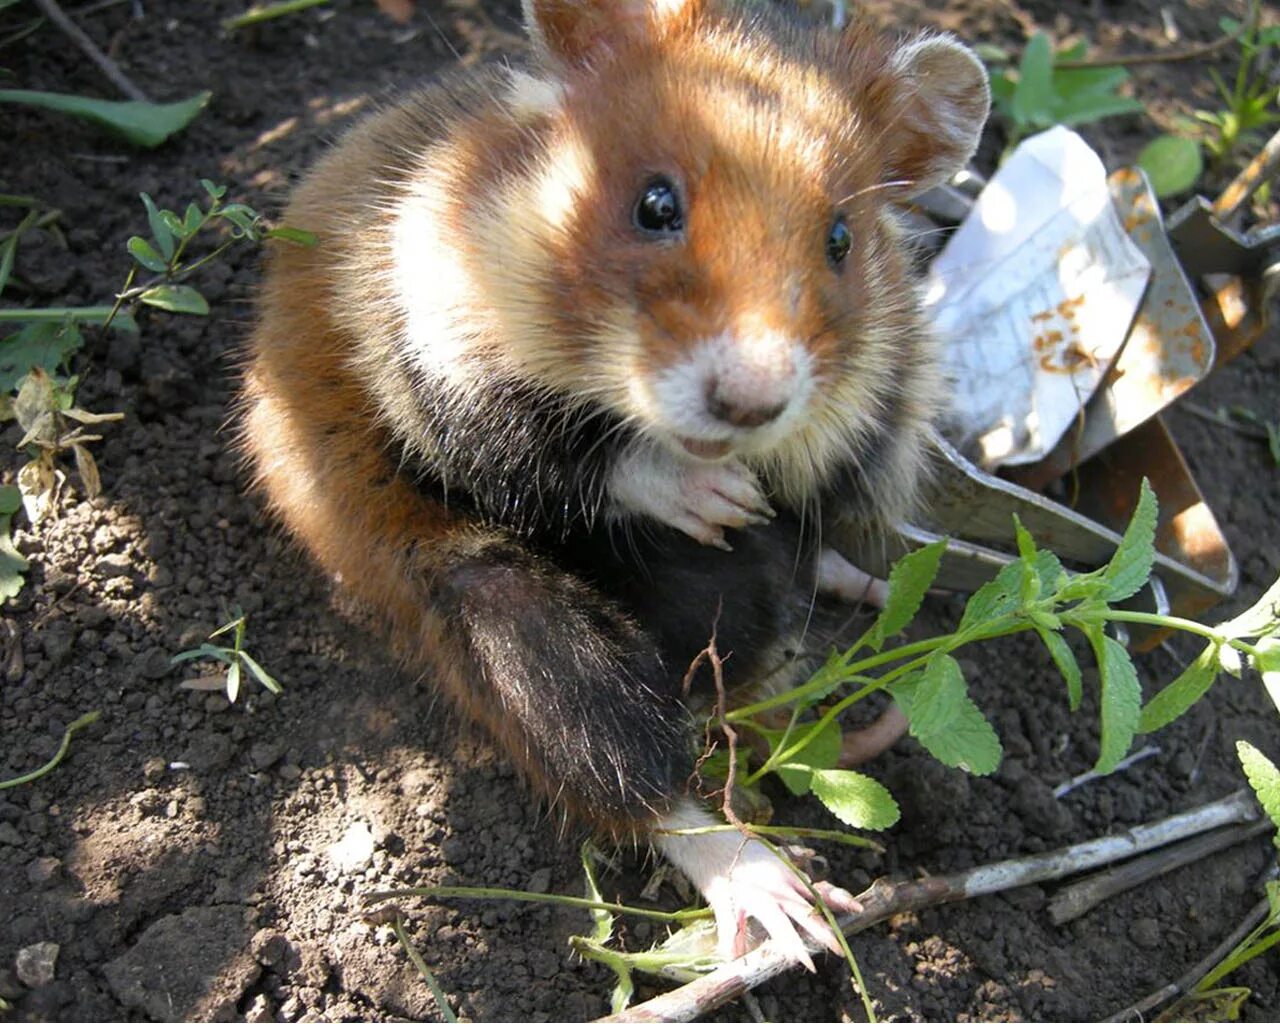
(573, 31)
(941, 105)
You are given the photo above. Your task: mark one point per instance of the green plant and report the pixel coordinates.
(1174, 161)
(1038, 95)
(36, 386)
(165, 252)
(233, 657)
(927, 683)
(1209, 1000)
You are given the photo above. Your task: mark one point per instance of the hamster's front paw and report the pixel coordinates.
(697, 498)
(742, 880)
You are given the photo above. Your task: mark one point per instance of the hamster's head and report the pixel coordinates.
(718, 265)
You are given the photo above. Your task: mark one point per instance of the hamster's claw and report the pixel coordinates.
(762, 887)
(698, 499)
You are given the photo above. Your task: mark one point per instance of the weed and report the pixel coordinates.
(36, 387)
(1208, 1000)
(1038, 95)
(234, 657)
(927, 683)
(1174, 161)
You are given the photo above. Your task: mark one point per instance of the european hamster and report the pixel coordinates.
(573, 334)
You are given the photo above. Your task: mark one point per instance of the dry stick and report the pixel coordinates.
(709, 653)
(884, 899)
(1184, 985)
(1079, 898)
(105, 64)
(1130, 59)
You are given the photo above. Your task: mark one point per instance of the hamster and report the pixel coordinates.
(587, 351)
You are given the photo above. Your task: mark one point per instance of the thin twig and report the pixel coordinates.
(1131, 59)
(884, 899)
(105, 64)
(1079, 898)
(1061, 790)
(712, 655)
(1223, 419)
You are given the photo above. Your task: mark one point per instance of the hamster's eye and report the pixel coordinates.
(658, 208)
(839, 242)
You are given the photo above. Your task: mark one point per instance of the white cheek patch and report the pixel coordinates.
(757, 370)
(563, 181)
(431, 282)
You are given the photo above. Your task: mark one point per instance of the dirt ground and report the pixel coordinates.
(192, 859)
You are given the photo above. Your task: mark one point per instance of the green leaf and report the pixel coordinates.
(948, 724)
(909, 580)
(215, 191)
(296, 236)
(261, 673)
(994, 598)
(1121, 700)
(1062, 655)
(1263, 777)
(142, 251)
(823, 751)
(856, 799)
(1071, 84)
(160, 229)
(176, 298)
(8, 250)
(143, 124)
(1267, 662)
(1173, 164)
(12, 564)
(192, 220)
(46, 345)
(203, 651)
(1131, 564)
(1171, 702)
(1033, 96)
(1089, 108)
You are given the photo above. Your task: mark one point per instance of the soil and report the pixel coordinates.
(197, 859)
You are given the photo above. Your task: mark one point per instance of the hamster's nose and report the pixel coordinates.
(741, 410)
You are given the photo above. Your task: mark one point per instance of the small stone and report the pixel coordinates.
(289, 772)
(35, 964)
(1145, 932)
(113, 565)
(9, 836)
(259, 1011)
(263, 755)
(42, 869)
(540, 881)
(354, 851)
(153, 769)
(269, 947)
(153, 664)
